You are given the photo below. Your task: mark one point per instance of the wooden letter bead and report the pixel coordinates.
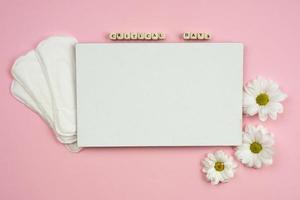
(141, 36)
(127, 36)
(193, 36)
(200, 36)
(113, 36)
(120, 36)
(186, 35)
(154, 36)
(148, 36)
(207, 36)
(161, 36)
(133, 36)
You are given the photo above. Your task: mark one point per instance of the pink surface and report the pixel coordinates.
(33, 165)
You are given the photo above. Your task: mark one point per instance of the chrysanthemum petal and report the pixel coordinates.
(277, 96)
(257, 163)
(248, 100)
(251, 109)
(263, 114)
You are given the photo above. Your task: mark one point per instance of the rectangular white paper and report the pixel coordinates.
(159, 94)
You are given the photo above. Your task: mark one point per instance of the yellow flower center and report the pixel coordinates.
(219, 166)
(262, 99)
(255, 147)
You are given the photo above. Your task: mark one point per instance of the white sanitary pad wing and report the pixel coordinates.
(54, 102)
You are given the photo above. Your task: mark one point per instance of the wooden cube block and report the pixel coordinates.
(193, 36)
(200, 36)
(133, 36)
(148, 36)
(127, 36)
(141, 36)
(207, 36)
(154, 36)
(186, 35)
(161, 36)
(120, 36)
(113, 36)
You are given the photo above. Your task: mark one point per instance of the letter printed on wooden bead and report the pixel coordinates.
(148, 36)
(154, 36)
(186, 35)
(133, 36)
(141, 36)
(200, 36)
(207, 36)
(193, 36)
(161, 36)
(127, 36)
(113, 36)
(120, 36)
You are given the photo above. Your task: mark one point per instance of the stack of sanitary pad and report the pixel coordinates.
(44, 80)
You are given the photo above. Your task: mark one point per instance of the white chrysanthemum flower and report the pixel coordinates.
(256, 149)
(219, 167)
(263, 97)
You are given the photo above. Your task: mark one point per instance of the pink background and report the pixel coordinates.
(33, 165)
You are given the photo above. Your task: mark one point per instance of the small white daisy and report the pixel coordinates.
(256, 149)
(263, 97)
(219, 167)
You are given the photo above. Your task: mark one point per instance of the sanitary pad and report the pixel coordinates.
(45, 82)
(20, 93)
(58, 64)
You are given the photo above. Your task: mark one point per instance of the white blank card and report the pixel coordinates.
(159, 94)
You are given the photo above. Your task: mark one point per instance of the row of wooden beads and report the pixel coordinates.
(137, 36)
(196, 36)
